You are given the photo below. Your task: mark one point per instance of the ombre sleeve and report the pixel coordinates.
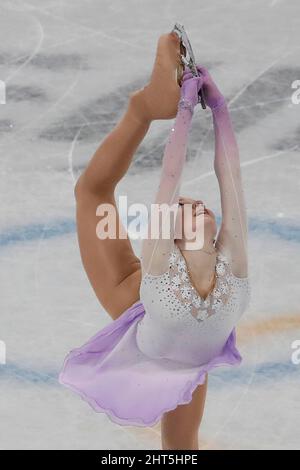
(233, 234)
(159, 240)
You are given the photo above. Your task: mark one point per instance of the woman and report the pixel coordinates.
(174, 310)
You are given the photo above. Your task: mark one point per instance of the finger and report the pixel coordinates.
(186, 72)
(190, 76)
(187, 76)
(201, 68)
(199, 82)
(203, 72)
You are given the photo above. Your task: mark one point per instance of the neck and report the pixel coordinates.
(205, 257)
(207, 247)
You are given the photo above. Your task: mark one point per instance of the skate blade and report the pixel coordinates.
(187, 61)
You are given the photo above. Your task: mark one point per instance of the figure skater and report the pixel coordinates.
(174, 310)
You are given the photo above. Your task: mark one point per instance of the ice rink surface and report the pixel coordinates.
(69, 67)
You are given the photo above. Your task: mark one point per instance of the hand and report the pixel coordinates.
(212, 95)
(190, 88)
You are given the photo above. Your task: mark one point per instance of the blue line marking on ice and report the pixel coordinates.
(259, 374)
(37, 231)
(33, 232)
(12, 370)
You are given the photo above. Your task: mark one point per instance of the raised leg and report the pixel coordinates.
(111, 265)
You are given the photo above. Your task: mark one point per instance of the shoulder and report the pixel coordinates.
(237, 267)
(161, 273)
(235, 251)
(155, 256)
(240, 286)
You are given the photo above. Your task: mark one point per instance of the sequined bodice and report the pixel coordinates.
(178, 317)
(186, 293)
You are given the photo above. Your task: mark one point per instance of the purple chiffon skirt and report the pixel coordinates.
(116, 378)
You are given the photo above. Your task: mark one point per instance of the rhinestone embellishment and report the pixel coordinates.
(220, 268)
(174, 307)
(202, 314)
(186, 293)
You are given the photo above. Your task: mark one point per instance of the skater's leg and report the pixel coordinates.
(111, 265)
(180, 427)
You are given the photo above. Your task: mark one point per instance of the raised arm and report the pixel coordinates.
(232, 237)
(156, 247)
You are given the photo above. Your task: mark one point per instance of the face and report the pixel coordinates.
(201, 218)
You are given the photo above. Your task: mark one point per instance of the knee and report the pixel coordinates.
(84, 186)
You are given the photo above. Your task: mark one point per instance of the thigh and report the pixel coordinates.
(181, 426)
(113, 269)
